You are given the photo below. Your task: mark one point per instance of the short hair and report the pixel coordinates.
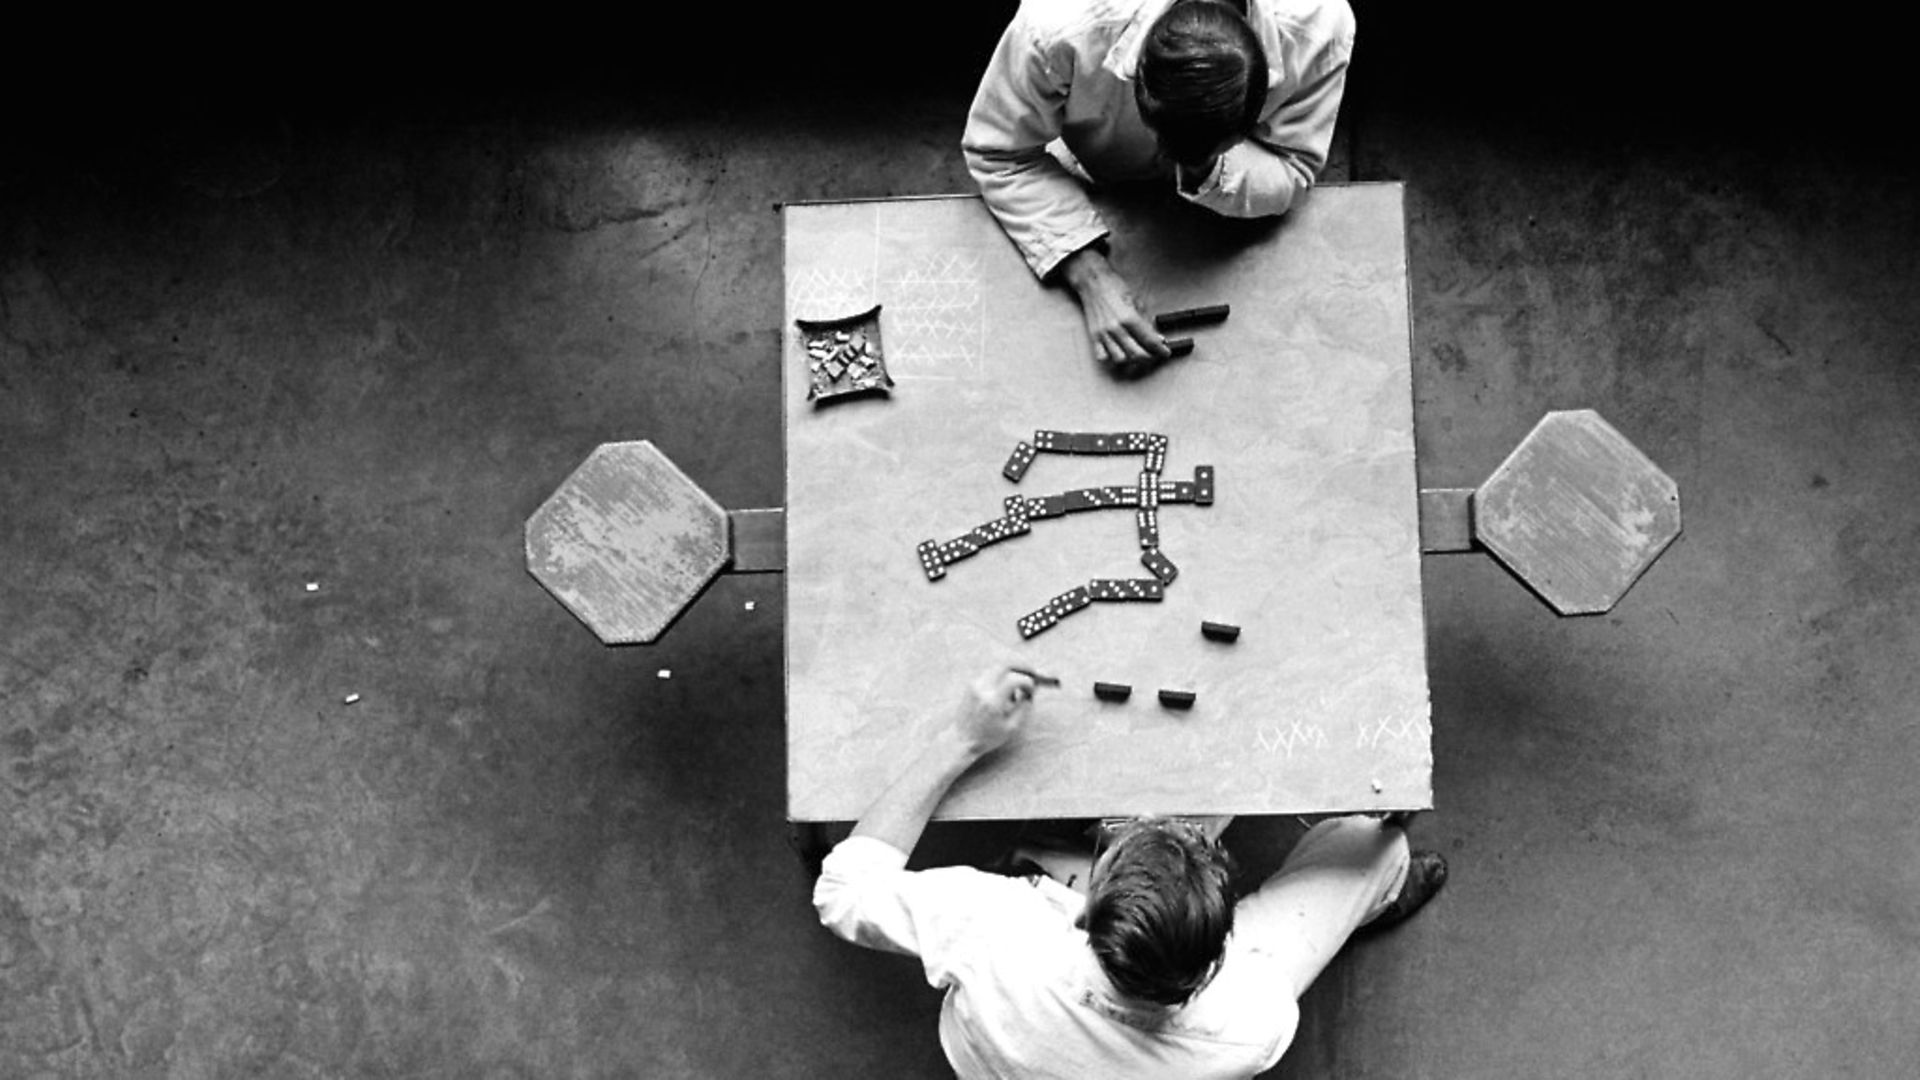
(1159, 910)
(1202, 79)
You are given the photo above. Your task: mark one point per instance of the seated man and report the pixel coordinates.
(1155, 972)
(1233, 100)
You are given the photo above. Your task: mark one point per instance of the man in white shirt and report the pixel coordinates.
(1232, 100)
(1155, 972)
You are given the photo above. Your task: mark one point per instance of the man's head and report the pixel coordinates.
(1202, 79)
(1159, 910)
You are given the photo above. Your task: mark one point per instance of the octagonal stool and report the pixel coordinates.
(1576, 512)
(628, 541)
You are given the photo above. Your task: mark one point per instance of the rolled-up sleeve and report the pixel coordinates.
(866, 895)
(1263, 174)
(1016, 112)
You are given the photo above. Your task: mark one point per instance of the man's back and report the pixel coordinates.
(1050, 1013)
(1025, 996)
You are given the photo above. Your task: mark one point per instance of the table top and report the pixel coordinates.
(1301, 402)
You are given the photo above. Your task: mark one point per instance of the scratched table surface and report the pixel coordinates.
(1302, 403)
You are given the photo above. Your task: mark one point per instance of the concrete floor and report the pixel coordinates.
(255, 333)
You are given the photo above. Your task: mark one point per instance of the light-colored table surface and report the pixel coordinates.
(1302, 402)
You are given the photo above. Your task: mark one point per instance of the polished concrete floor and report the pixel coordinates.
(261, 332)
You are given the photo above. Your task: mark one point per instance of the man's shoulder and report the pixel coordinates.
(1311, 21)
(1054, 22)
(1035, 898)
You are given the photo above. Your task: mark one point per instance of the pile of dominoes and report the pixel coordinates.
(1144, 497)
(844, 357)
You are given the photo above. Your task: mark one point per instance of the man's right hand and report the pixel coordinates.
(995, 706)
(1124, 340)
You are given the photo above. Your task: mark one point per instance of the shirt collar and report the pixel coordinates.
(1124, 58)
(1098, 994)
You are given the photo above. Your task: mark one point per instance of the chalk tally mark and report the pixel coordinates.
(935, 312)
(1295, 734)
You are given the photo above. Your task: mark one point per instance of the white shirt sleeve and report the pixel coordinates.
(1266, 172)
(1262, 175)
(943, 916)
(1016, 111)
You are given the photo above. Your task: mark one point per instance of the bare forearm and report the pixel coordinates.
(900, 814)
(992, 709)
(1122, 337)
(1079, 269)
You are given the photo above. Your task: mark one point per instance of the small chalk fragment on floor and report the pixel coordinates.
(666, 673)
(313, 586)
(749, 605)
(350, 699)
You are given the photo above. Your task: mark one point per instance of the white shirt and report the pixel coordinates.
(1025, 996)
(1064, 69)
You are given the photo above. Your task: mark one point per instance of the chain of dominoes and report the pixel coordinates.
(1144, 497)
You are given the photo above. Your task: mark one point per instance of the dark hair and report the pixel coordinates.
(1202, 78)
(1159, 910)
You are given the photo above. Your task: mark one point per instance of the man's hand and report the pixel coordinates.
(995, 706)
(1124, 340)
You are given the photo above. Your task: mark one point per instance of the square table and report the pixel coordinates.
(1301, 401)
